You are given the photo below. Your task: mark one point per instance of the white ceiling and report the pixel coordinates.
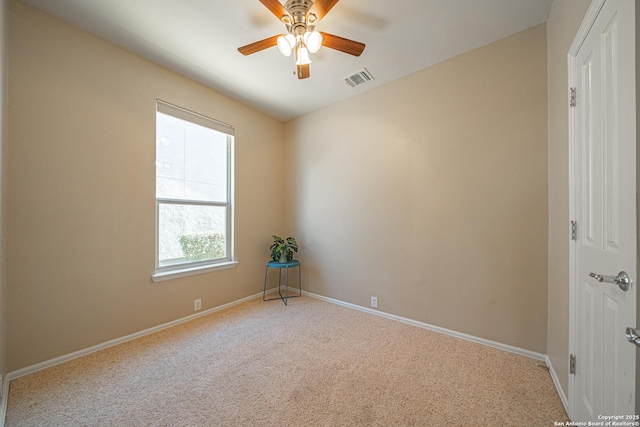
(199, 38)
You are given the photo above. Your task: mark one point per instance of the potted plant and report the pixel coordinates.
(282, 249)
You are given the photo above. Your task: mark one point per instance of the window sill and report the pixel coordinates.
(192, 271)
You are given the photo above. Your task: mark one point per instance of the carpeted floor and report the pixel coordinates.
(312, 363)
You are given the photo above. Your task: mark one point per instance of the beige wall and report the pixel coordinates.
(3, 187)
(81, 206)
(562, 26)
(430, 193)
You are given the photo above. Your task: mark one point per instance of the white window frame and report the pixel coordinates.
(174, 271)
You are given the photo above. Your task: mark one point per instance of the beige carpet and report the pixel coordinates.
(312, 363)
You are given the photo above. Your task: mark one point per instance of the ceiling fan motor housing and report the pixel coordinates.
(298, 10)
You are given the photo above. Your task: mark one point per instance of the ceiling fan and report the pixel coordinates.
(300, 17)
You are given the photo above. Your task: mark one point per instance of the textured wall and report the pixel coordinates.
(430, 193)
(81, 214)
(562, 26)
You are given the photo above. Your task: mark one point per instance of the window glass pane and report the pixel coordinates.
(190, 233)
(191, 161)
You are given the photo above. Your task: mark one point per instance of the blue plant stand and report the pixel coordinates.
(280, 265)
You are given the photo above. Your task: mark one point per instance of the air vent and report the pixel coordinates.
(358, 78)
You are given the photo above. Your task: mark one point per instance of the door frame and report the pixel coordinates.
(592, 13)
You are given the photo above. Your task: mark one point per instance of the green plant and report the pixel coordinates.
(281, 246)
(201, 246)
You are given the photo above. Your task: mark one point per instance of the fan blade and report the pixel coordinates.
(343, 45)
(303, 71)
(275, 7)
(322, 7)
(258, 46)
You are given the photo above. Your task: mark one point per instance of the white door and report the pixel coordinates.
(603, 154)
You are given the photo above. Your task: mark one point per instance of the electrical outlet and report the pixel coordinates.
(197, 304)
(374, 302)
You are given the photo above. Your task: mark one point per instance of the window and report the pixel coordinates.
(194, 220)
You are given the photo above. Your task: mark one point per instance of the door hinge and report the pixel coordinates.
(574, 230)
(572, 97)
(572, 364)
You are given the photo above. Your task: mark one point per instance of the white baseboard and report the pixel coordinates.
(556, 382)
(67, 357)
(500, 346)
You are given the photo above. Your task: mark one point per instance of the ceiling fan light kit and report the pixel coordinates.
(302, 55)
(286, 44)
(300, 18)
(313, 40)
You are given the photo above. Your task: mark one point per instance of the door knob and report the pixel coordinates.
(622, 279)
(633, 336)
